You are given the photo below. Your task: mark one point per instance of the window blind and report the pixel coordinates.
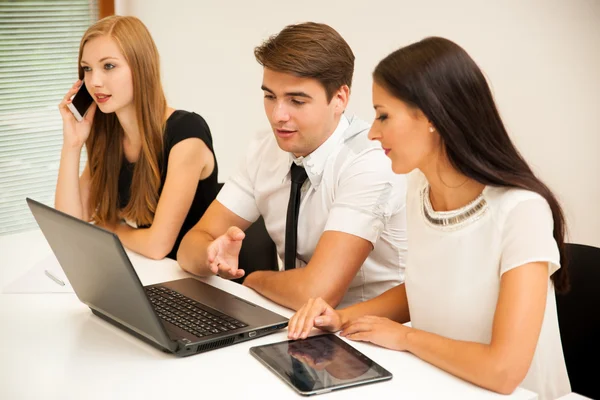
(39, 44)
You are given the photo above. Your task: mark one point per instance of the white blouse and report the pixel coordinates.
(453, 272)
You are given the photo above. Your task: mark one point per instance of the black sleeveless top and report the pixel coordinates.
(180, 125)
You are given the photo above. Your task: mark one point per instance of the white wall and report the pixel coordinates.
(542, 58)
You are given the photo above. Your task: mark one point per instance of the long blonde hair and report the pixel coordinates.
(104, 144)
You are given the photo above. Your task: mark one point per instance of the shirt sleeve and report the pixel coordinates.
(367, 194)
(528, 236)
(191, 125)
(238, 192)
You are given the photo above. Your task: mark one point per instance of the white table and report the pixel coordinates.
(52, 347)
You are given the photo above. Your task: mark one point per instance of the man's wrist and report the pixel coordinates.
(252, 279)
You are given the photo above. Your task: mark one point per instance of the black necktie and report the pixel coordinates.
(291, 224)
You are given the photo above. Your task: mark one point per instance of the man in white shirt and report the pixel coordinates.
(340, 225)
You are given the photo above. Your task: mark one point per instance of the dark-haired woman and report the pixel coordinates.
(486, 235)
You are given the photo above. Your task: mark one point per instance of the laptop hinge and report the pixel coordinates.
(183, 344)
(136, 332)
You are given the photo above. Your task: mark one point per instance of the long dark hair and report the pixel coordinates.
(438, 77)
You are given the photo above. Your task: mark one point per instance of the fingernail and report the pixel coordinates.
(318, 321)
(304, 335)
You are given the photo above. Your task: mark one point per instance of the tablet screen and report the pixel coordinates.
(319, 364)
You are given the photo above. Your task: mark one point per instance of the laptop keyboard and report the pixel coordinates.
(188, 314)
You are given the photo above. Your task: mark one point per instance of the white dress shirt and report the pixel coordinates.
(453, 274)
(350, 188)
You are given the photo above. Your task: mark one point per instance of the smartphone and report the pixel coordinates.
(80, 102)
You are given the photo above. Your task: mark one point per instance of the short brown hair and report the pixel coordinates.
(309, 50)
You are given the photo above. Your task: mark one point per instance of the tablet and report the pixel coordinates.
(319, 364)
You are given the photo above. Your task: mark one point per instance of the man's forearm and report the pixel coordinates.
(192, 255)
(290, 289)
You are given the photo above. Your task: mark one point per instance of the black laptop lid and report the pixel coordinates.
(99, 271)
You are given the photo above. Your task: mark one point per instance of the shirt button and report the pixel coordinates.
(314, 171)
(309, 163)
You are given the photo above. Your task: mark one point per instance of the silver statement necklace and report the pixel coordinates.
(454, 219)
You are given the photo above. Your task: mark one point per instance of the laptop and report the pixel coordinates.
(182, 317)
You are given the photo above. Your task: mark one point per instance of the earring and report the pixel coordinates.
(431, 129)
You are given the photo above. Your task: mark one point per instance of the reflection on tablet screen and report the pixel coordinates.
(320, 362)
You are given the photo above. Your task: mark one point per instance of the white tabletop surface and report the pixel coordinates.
(53, 347)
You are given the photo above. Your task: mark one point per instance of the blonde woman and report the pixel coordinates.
(148, 164)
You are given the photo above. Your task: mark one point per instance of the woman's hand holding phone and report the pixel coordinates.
(75, 133)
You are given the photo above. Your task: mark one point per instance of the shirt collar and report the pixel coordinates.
(314, 163)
